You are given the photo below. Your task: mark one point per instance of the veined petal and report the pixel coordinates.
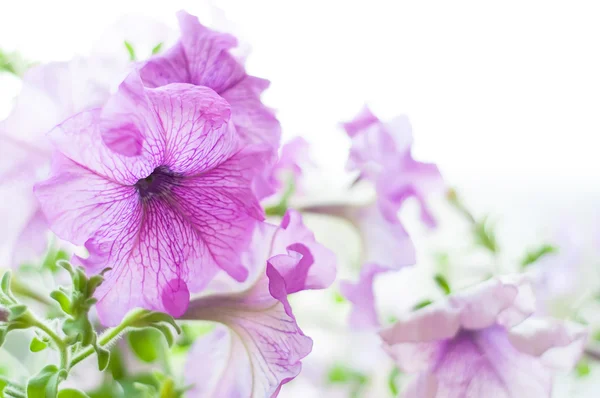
(220, 205)
(195, 123)
(79, 203)
(157, 259)
(261, 321)
(209, 61)
(80, 140)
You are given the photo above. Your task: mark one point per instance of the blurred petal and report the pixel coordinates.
(363, 314)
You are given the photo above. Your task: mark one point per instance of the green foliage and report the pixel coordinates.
(338, 298)
(72, 393)
(422, 304)
(535, 254)
(130, 50)
(442, 283)
(146, 344)
(13, 63)
(393, 381)
(45, 383)
(342, 374)
(157, 48)
(582, 368)
(485, 235)
(37, 345)
(280, 208)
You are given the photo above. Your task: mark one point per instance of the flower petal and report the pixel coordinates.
(221, 207)
(80, 139)
(414, 342)
(78, 202)
(254, 122)
(363, 314)
(385, 241)
(194, 121)
(557, 343)
(261, 321)
(157, 258)
(318, 263)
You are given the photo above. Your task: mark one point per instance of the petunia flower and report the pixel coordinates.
(257, 346)
(202, 57)
(52, 92)
(381, 152)
(477, 343)
(165, 219)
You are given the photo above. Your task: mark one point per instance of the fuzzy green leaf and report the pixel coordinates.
(37, 345)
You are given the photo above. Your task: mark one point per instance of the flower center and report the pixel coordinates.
(158, 182)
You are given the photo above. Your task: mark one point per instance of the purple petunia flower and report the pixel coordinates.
(381, 152)
(476, 344)
(258, 346)
(202, 58)
(167, 219)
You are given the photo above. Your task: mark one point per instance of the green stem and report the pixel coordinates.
(12, 389)
(58, 341)
(23, 290)
(106, 338)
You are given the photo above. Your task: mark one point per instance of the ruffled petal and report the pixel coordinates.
(254, 122)
(363, 314)
(318, 263)
(209, 61)
(261, 321)
(361, 122)
(557, 343)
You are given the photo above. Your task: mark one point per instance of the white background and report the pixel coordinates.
(503, 96)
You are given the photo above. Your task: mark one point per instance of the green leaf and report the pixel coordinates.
(485, 236)
(157, 48)
(393, 381)
(37, 345)
(62, 299)
(582, 368)
(116, 365)
(145, 344)
(130, 50)
(16, 311)
(45, 383)
(535, 254)
(167, 389)
(442, 283)
(103, 357)
(422, 304)
(343, 374)
(5, 284)
(72, 393)
(338, 298)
